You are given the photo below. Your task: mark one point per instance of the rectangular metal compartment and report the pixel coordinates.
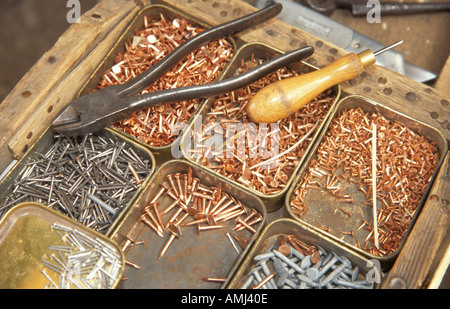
(208, 254)
(44, 143)
(367, 105)
(260, 51)
(286, 226)
(40, 217)
(164, 153)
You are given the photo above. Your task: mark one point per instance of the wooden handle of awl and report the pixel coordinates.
(283, 98)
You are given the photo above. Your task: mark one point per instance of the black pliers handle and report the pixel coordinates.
(93, 112)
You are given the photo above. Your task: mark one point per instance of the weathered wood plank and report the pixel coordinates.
(58, 75)
(443, 80)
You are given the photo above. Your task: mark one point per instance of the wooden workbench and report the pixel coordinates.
(61, 72)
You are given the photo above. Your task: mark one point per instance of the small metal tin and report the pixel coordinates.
(162, 153)
(193, 255)
(270, 238)
(45, 142)
(322, 205)
(25, 238)
(245, 53)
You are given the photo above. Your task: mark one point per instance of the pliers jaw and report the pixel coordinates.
(89, 113)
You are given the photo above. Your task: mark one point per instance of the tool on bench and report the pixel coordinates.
(284, 97)
(361, 7)
(331, 31)
(95, 111)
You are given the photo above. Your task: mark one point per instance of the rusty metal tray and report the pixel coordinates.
(194, 255)
(246, 53)
(47, 140)
(270, 238)
(322, 207)
(25, 239)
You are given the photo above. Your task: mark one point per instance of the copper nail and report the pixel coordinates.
(166, 246)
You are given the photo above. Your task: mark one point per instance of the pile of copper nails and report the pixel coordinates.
(249, 169)
(159, 126)
(193, 204)
(405, 163)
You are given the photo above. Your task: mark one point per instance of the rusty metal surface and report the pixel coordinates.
(322, 207)
(191, 256)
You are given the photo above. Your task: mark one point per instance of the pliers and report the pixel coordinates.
(93, 112)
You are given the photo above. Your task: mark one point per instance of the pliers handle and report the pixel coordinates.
(93, 112)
